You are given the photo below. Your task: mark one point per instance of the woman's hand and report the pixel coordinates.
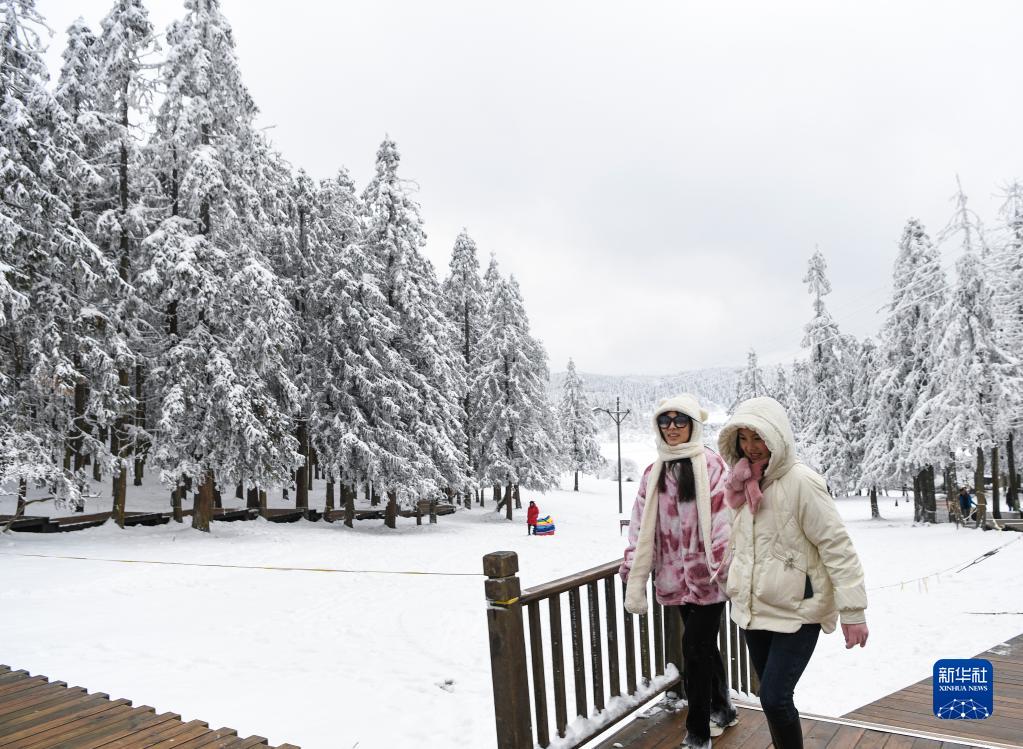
(855, 634)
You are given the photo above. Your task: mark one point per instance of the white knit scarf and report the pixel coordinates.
(642, 560)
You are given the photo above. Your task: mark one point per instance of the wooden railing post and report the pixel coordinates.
(507, 651)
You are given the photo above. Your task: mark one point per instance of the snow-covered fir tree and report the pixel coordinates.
(50, 269)
(964, 405)
(426, 422)
(126, 40)
(354, 395)
(823, 408)
(518, 424)
(905, 357)
(752, 383)
(577, 425)
(465, 306)
(226, 392)
(781, 388)
(858, 373)
(1007, 287)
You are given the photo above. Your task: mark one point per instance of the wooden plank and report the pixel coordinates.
(191, 730)
(211, 740)
(596, 649)
(57, 722)
(32, 690)
(152, 735)
(871, 740)
(558, 664)
(578, 657)
(82, 722)
(846, 737)
(131, 725)
(760, 738)
(895, 741)
(97, 724)
(818, 734)
(250, 741)
(15, 677)
(630, 647)
(54, 706)
(611, 612)
(540, 721)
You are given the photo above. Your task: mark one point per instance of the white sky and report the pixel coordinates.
(655, 176)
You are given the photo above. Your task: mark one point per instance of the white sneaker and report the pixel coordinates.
(691, 742)
(722, 719)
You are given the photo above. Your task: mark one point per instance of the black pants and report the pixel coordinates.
(779, 659)
(703, 670)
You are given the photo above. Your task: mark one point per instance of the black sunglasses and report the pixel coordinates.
(681, 420)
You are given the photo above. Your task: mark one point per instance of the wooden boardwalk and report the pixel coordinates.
(911, 708)
(38, 714)
(903, 720)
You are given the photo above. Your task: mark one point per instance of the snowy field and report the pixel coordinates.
(375, 657)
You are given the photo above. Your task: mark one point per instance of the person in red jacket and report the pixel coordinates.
(531, 515)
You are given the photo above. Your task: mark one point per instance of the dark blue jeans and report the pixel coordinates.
(779, 659)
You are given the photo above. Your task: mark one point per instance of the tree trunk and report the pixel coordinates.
(203, 506)
(239, 491)
(391, 512)
(328, 503)
(497, 496)
(22, 497)
(252, 498)
(348, 497)
(302, 474)
(262, 502)
(140, 422)
(874, 512)
(374, 498)
(176, 497)
(930, 495)
(218, 501)
(81, 426)
(518, 498)
(996, 504)
(508, 501)
(917, 503)
(118, 445)
(96, 474)
(1012, 498)
(576, 487)
(978, 480)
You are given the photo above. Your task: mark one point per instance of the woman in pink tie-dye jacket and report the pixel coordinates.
(683, 538)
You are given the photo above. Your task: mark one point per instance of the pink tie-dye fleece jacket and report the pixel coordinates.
(680, 563)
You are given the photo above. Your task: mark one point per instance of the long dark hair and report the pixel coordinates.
(682, 470)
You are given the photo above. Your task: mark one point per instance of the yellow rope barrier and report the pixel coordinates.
(253, 567)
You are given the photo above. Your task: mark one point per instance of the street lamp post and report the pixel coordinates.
(618, 415)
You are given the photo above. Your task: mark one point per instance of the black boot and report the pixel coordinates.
(788, 736)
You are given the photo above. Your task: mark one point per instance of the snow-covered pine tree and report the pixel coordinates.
(781, 388)
(50, 268)
(465, 306)
(905, 357)
(964, 405)
(353, 393)
(123, 89)
(824, 409)
(752, 383)
(859, 361)
(518, 424)
(225, 389)
(426, 423)
(580, 450)
(1008, 291)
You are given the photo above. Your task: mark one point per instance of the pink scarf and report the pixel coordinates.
(743, 485)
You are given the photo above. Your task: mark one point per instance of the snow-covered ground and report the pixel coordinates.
(374, 657)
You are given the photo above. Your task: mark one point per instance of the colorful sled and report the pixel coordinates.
(544, 526)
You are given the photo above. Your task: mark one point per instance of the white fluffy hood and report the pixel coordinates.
(766, 417)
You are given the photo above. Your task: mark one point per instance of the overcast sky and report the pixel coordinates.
(655, 174)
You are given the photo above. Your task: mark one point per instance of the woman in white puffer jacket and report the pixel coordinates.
(793, 570)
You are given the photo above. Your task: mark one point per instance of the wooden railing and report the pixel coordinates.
(614, 638)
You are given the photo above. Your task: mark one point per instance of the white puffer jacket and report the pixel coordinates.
(796, 534)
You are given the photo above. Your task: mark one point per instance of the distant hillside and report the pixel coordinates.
(714, 387)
